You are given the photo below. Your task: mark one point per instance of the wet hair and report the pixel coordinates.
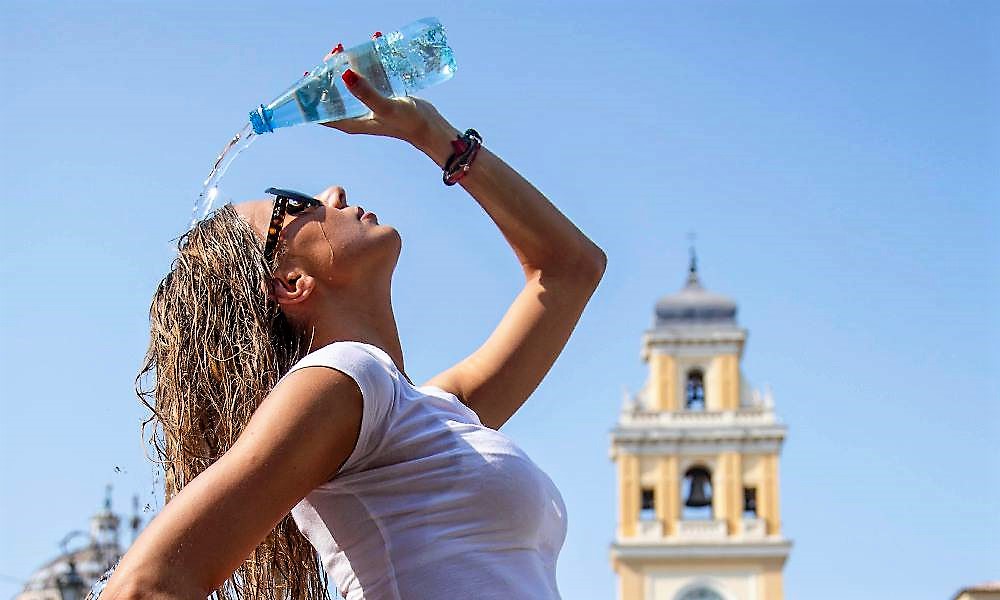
(218, 344)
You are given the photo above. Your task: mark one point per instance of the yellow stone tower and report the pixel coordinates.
(696, 452)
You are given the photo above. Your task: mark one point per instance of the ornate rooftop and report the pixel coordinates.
(694, 305)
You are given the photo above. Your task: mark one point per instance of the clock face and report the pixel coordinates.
(700, 594)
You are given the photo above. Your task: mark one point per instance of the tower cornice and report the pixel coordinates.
(707, 443)
(773, 548)
(693, 339)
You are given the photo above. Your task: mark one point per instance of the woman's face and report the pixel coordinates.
(332, 242)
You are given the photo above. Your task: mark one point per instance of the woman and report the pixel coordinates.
(283, 405)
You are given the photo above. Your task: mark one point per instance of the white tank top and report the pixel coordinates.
(430, 504)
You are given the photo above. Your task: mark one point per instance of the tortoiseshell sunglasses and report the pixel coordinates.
(285, 201)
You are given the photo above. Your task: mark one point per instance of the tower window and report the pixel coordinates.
(696, 489)
(695, 390)
(750, 502)
(647, 506)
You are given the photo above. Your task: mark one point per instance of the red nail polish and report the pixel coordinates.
(377, 34)
(350, 77)
(337, 48)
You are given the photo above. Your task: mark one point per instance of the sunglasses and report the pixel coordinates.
(285, 201)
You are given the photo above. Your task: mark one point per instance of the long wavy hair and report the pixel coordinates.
(218, 344)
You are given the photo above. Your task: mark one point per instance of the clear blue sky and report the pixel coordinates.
(837, 160)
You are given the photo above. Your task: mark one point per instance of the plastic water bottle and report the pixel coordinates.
(396, 64)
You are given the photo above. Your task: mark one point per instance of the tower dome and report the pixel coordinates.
(73, 572)
(694, 305)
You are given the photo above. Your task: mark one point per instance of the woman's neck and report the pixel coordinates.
(364, 321)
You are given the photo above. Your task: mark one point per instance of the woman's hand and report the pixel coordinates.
(406, 118)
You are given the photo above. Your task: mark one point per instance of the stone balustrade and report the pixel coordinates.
(742, 416)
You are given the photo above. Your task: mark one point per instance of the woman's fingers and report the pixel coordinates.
(366, 124)
(370, 97)
(364, 91)
(403, 118)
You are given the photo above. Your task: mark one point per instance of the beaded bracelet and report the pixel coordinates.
(466, 148)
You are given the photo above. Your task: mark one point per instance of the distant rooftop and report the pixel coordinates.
(77, 570)
(990, 587)
(693, 304)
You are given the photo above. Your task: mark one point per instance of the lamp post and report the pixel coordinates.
(71, 585)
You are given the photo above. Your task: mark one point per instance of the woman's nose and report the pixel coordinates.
(334, 196)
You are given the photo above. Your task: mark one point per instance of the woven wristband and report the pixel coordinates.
(466, 148)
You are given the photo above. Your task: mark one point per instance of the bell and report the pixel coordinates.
(700, 494)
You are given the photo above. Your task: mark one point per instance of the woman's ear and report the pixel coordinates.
(292, 288)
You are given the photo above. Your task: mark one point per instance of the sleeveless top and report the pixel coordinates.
(430, 504)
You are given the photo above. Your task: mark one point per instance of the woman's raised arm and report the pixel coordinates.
(296, 440)
(562, 266)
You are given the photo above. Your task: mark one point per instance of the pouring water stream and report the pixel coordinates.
(210, 188)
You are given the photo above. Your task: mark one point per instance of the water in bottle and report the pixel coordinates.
(396, 64)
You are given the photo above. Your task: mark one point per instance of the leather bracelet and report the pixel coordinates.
(466, 148)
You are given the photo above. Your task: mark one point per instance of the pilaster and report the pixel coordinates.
(668, 495)
(628, 493)
(663, 370)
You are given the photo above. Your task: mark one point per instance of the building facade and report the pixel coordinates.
(70, 575)
(697, 452)
(989, 590)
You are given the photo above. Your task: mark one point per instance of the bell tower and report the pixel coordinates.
(696, 451)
